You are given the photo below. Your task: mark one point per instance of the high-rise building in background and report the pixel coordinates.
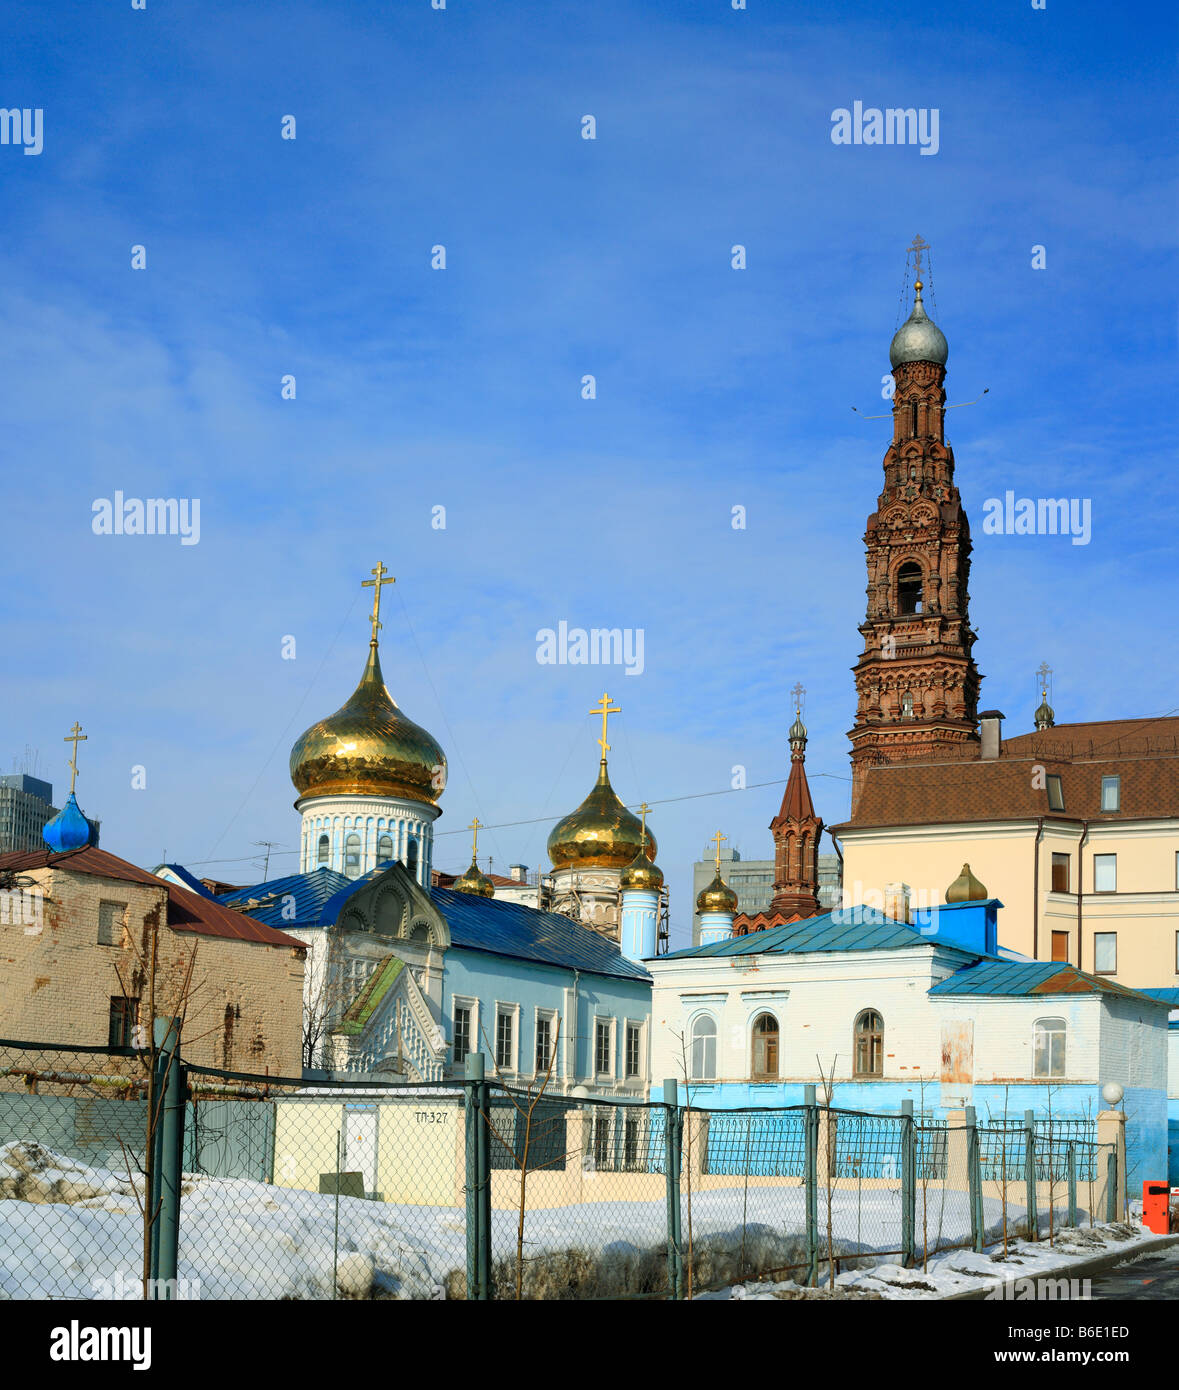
(26, 804)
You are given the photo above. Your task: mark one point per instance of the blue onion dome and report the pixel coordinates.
(919, 339)
(475, 882)
(641, 873)
(69, 829)
(369, 748)
(717, 897)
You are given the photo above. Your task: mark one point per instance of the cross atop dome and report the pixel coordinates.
(605, 709)
(379, 571)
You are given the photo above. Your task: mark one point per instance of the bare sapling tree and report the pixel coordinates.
(829, 1165)
(167, 998)
(528, 1127)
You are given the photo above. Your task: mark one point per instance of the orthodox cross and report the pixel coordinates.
(798, 692)
(917, 247)
(718, 837)
(375, 585)
(1043, 674)
(643, 809)
(75, 736)
(474, 825)
(605, 709)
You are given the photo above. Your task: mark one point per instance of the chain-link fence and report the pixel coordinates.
(270, 1188)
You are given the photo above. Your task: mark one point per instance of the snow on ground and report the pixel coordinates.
(71, 1231)
(962, 1271)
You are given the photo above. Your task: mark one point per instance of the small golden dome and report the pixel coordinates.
(717, 897)
(369, 748)
(476, 882)
(966, 888)
(600, 834)
(641, 873)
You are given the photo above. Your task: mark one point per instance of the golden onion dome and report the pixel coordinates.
(476, 882)
(600, 834)
(966, 888)
(642, 873)
(717, 897)
(369, 748)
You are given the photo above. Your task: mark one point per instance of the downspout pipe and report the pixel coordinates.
(1036, 890)
(1081, 889)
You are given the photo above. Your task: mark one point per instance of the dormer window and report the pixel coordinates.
(1111, 793)
(1055, 792)
(909, 587)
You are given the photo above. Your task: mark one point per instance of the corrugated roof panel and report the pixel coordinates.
(1026, 978)
(847, 929)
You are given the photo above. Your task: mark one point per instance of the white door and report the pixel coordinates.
(360, 1144)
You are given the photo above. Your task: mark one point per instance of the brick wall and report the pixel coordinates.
(244, 1008)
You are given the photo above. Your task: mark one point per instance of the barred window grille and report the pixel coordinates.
(504, 1040)
(462, 1034)
(544, 1044)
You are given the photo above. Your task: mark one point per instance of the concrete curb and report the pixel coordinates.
(1076, 1269)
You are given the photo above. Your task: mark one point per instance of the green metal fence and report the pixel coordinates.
(124, 1172)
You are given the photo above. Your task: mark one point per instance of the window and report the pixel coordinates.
(352, 855)
(462, 1033)
(1055, 792)
(505, 1039)
(630, 1143)
(602, 1032)
(323, 850)
(601, 1138)
(909, 587)
(1105, 873)
(765, 1048)
(124, 1012)
(1060, 873)
(907, 705)
(704, 1049)
(869, 1044)
(1105, 952)
(1049, 1036)
(1111, 793)
(1177, 953)
(1060, 945)
(111, 916)
(385, 849)
(544, 1043)
(634, 1037)
(411, 856)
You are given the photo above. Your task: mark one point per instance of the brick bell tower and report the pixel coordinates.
(916, 681)
(796, 830)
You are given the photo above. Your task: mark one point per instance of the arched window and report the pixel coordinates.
(909, 587)
(324, 850)
(352, 855)
(913, 418)
(704, 1049)
(411, 858)
(1049, 1035)
(869, 1044)
(765, 1048)
(385, 849)
(907, 705)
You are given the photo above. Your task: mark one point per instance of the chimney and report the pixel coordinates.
(896, 901)
(991, 730)
(518, 872)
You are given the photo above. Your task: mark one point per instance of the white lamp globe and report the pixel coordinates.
(1112, 1093)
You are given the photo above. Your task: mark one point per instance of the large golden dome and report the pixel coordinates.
(369, 748)
(600, 834)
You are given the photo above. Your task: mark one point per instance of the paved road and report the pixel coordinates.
(1152, 1277)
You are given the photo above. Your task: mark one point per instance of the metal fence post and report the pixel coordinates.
(478, 1181)
(1029, 1165)
(169, 1152)
(1111, 1185)
(811, 1122)
(908, 1184)
(974, 1181)
(1071, 1163)
(675, 1123)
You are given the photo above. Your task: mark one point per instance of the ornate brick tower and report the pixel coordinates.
(796, 830)
(916, 681)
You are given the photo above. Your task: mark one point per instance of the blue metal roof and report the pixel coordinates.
(1168, 994)
(846, 929)
(1040, 977)
(190, 881)
(512, 929)
(311, 892)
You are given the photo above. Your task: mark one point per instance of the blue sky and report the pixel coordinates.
(461, 388)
